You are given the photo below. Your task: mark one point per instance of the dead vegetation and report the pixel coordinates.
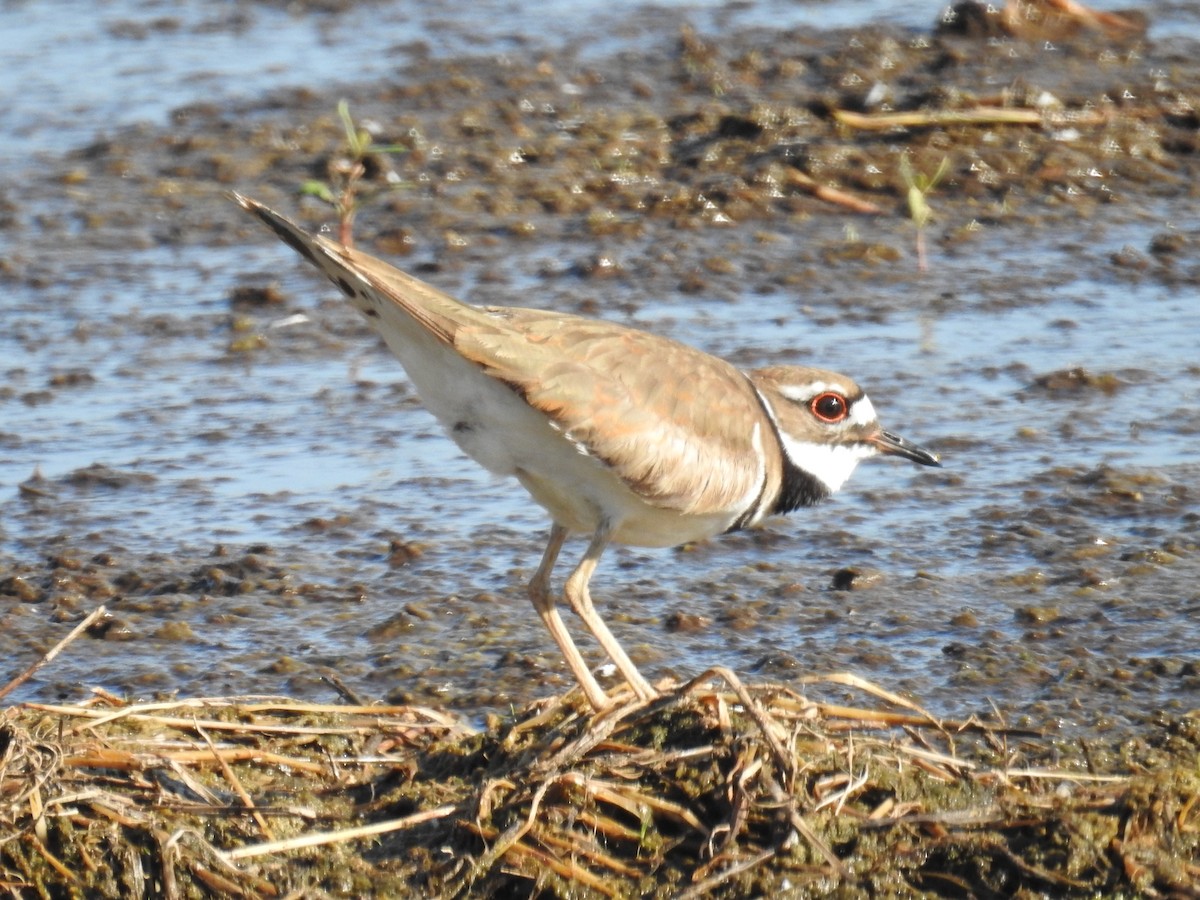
(717, 789)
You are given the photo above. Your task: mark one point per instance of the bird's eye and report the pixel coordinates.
(829, 407)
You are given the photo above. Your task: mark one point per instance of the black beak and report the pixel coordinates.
(893, 445)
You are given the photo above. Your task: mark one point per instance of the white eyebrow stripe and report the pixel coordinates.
(807, 392)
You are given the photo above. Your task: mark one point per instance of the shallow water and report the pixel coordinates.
(1023, 572)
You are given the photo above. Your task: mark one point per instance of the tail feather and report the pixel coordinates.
(287, 231)
(377, 289)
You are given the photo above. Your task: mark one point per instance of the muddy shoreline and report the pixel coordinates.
(687, 172)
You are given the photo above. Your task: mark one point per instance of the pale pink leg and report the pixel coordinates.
(579, 597)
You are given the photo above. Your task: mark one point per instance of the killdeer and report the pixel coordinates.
(618, 433)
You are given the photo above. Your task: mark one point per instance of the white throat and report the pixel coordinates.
(831, 464)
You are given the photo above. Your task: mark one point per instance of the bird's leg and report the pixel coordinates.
(543, 602)
(577, 594)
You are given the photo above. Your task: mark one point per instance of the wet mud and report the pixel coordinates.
(744, 191)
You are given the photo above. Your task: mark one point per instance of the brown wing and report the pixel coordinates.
(680, 427)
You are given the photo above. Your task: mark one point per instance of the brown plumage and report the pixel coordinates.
(618, 433)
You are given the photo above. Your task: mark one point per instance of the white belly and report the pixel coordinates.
(496, 428)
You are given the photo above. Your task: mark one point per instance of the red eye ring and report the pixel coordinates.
(829, 407)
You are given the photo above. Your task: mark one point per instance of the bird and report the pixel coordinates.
(620, 434)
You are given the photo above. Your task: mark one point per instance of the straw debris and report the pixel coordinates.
(718, 789)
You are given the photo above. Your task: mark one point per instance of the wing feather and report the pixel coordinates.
(679, 426)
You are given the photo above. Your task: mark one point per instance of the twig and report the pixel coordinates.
(236, 784)
(590, 851)
(187, 724)
(783, 759)
(53, 861)
(567, 869)
(1115, 24)
(802, 828)
(107, 758)
(52, 652)
(346, 692)
(316, 839)
(849, 679)
(620, 798)
(256, 704)
(599, 730)
(830, 194)
(785, 763)
(509, 839)
(168, 853)
(218, 884)
(705, 887)
(950, 117)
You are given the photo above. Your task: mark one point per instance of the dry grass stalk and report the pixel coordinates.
(718, 788)
(49, 655)
(979, 116)
(830, 194)
(316, 839)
